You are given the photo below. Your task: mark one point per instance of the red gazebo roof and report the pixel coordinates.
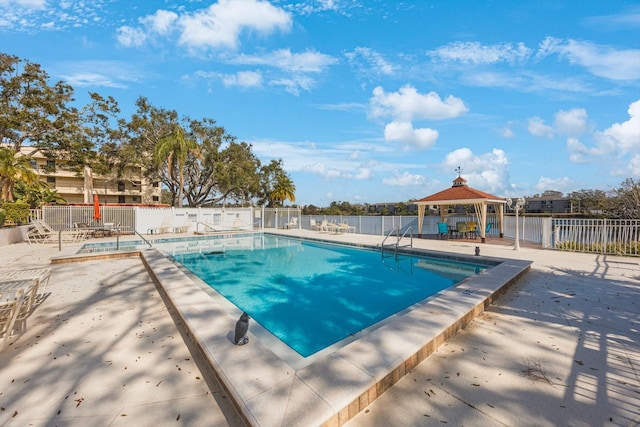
(459, 193)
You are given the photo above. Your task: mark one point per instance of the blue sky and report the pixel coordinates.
(370, 101)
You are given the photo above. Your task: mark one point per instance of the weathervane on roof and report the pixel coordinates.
(459, 170)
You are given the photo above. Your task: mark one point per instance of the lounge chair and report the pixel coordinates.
(44, 233)
(165, 226)
(345, 228)
(324, 226)
(443, 230)
(313, 225)
(186, 226)
(293, 223)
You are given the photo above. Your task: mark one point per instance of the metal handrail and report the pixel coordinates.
(409, 229)
(397, 230)
(206, 225)
(135, 232)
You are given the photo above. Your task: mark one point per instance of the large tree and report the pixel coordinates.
(33, 112)
(624, 202)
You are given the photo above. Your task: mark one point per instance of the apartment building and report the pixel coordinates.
(133, 188)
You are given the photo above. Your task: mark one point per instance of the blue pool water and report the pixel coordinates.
(312, 295)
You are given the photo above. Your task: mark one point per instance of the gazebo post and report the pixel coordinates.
(420, 220)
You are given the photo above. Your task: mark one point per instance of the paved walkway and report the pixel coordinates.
(562, 347)
(102, 350)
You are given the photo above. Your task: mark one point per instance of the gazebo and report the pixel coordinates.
(461, 194)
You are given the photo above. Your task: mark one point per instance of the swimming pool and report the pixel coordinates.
(312, 294)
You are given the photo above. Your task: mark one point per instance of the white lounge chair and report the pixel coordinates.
(186, 226)
(165, 226)
(44, 233)
(293, 223)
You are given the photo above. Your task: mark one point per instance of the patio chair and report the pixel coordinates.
(313, 225)
(16, 302)
(472, 229)
(42, 275)
(443, 230)
(461, 228)
(487, 229)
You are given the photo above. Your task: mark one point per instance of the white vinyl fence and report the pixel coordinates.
(606, 236)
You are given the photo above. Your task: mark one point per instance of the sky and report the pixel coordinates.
(369, 101)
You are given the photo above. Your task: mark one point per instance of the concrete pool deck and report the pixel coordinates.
(560, 347)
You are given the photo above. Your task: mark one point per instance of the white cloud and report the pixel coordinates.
(602, 61)
(634, 165)
(563, 184)
(112, 74)
(220, 25)
(405, 133)
(488, 172)
(506, 132)
(537, 127)
(27, 4)
(625, 135)
(406, 179)
(369, 61)
(578, 152)
(162, 22)
(477, 53)
(244, 79)
(131, 37)
(217, 27)
(571, 122)
(306, 62)
(294, 84)
(408, 104)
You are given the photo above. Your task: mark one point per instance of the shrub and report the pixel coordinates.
(3, 215)
(16, 213)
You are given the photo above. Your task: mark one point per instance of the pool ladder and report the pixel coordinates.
(399, 237)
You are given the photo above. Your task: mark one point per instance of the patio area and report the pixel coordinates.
(559, 348)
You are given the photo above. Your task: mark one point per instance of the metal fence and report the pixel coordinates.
(605, 236)
(145, 220)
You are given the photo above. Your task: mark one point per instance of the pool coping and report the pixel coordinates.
(333, 389)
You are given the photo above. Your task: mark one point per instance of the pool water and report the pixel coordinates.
(311, 295)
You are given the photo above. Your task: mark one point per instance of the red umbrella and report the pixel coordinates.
(96, 207)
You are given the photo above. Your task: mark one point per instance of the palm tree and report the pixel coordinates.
(14, 168)
(283, 189)
(174, 148)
